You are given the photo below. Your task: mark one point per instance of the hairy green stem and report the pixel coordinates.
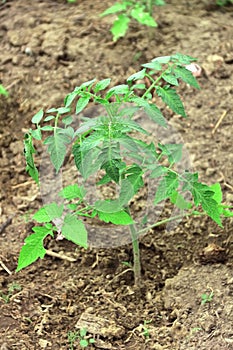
(136, 255)
(167, 220)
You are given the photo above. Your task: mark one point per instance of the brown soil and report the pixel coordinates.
(48, 48)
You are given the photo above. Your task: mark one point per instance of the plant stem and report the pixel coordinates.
(136, 256)
(167, 220)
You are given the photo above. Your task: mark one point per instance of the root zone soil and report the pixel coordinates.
(47, 49)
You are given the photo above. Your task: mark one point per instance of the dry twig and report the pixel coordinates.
(219, 122)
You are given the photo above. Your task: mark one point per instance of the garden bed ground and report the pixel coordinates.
(48, 48)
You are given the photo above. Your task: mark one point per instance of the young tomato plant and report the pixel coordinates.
(141, 11)
(113, 146)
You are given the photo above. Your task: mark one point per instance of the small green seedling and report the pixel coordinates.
(207, 298)
(146, 331)
(115, 150)
(141, 11)
(10, 292)
(3, 91)
(84, 342)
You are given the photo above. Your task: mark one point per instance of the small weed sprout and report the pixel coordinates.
(113, 146)
(84, 342)
(141, 11)
(3, 91)
(10, 292)
(207, 298)
(146, 331)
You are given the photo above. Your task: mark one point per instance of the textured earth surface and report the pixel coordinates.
(48, 48)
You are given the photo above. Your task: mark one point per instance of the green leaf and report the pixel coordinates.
(36, 134)
(151, 110)
(120, 27)
(74, 230)
(143, 17)
(134, 176)
(104, 180)
(126, 192)
(117, 218)
(47, 128)
(186, 76)
(82, 103)
(182, 59)
(227, 213)
(138, 75)
(118, 90)
(160, 2)
(83, 343)
(86, 162)
(172, 99)
(67, 120)
(162, 59)
(68, 131)
(216, 188)
(157, 171)
(70, 98)
(167, 185)
(172, 151)
(112, 169)
(91, 141)
(57, 149)
(179, 201)
(108, 206)
(48, 118)
(29, 150)
(33, 247)
(63, 110)
(171, 79)
(117, 7)
(204, 195)
(48, 212)
(3, 91)
(72, 191)
(37, 117)
(155, 65)
(87, 83)
(102, 84)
